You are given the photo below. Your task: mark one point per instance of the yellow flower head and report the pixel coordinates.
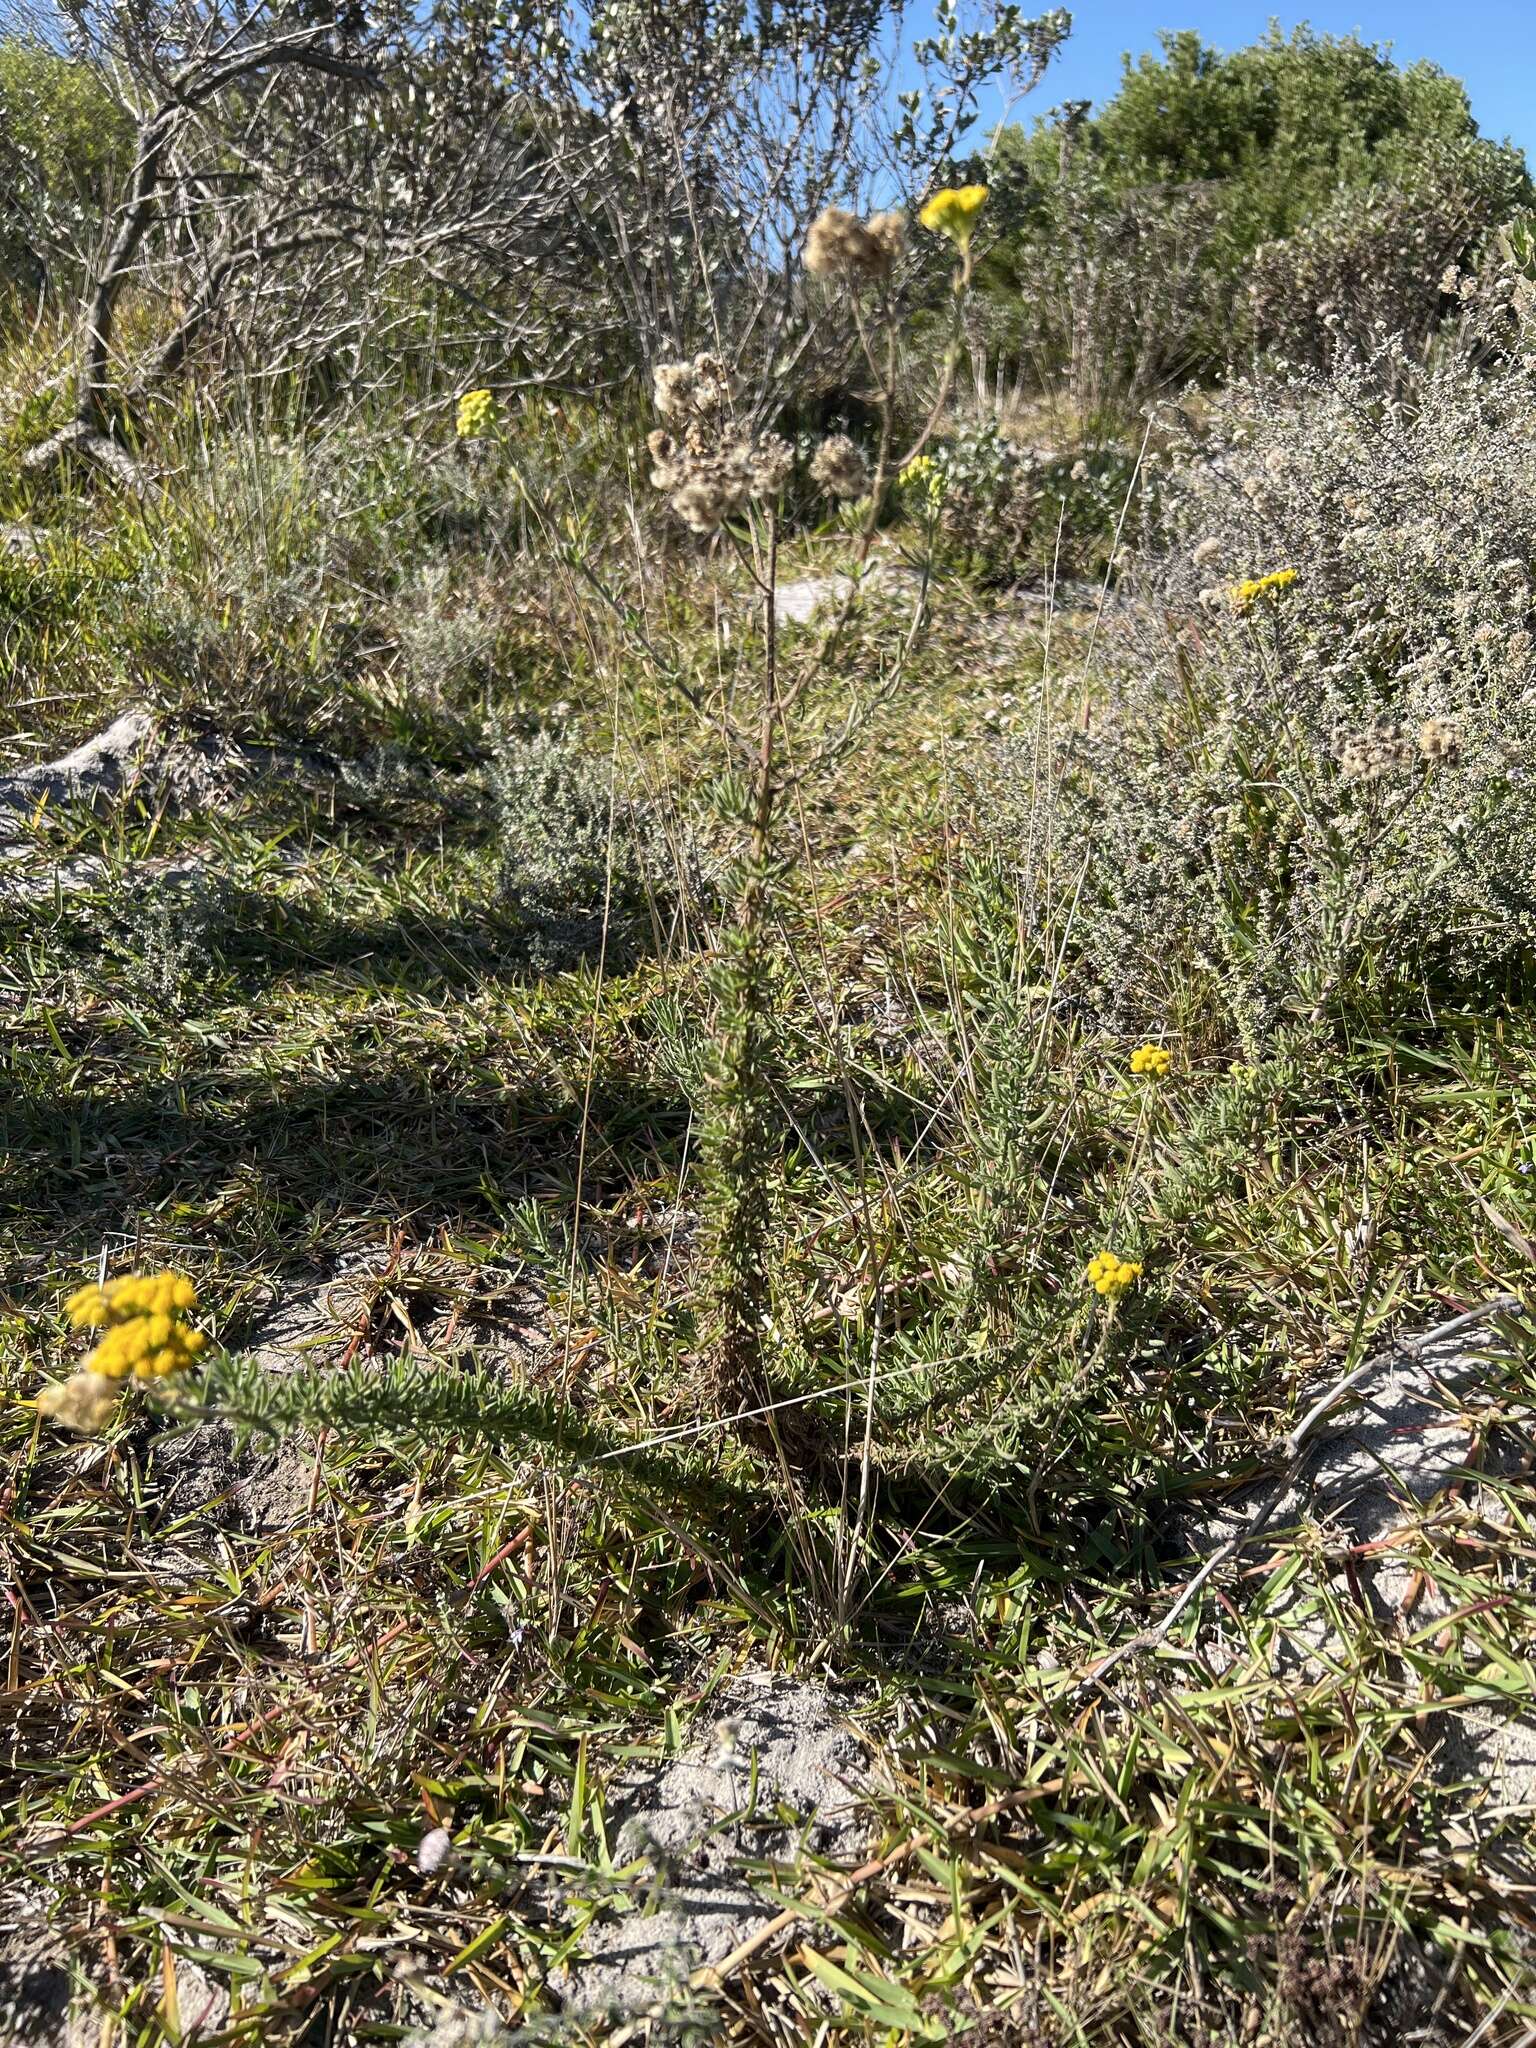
(953, 212)
(922, 481)
(1108, 1274)
(476, 415)
(1151, 1059)
(1247, 594)
(148, 1347)
(141, 1320)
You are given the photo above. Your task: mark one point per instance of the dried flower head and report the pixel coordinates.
(1438, 740)
(672, 387)
(84, 1402)
(1373, 755)
(840, 245)
(888, 231)
(704, 504)
(768, 465)
(708, 467)
(668, 461)
(700, 390)
(839, 468)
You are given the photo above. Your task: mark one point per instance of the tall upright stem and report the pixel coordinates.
(741, 1156)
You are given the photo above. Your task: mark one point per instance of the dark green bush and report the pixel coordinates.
(1130, 236)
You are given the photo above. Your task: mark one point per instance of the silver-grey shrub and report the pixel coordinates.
(1368, 271)
(582, 861)
(1327, 788)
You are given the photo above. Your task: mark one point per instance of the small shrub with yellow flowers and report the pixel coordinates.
(144, 1337)
(1110, 1275)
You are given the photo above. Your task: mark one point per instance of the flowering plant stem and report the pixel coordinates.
(739, 1150)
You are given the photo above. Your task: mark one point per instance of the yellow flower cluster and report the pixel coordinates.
(143, 1334)
(1151, 1059)
(476, 415)
(141, 1316)
(1109, 1274)
(148, 1347)
(137, 1294)
(923, 483)
(953, 212)
(1247, 594)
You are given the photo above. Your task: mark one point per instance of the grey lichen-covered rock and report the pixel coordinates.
(777, 1779)
(189, 773)
(459, 2027)
(798, 601)
(414, 1302)
(1395, 1443)
(100, 766)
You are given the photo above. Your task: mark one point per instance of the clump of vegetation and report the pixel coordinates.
(1316, 775)
(791, 981)
(1290, 195)
(583, 864)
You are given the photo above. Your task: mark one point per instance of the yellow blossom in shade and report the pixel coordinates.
(1247, 594)
(476, 415)
(84, 1402)
(923, 484)
(1108, 1274)
(1151, 1059)
(953, 212)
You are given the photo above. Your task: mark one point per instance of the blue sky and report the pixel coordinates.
(1490, 45)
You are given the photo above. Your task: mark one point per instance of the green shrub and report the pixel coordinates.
(993, 509)
(65, 147)
(1132, 234)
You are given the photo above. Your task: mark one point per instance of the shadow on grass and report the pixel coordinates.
(272, 939)
(390, 1139)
